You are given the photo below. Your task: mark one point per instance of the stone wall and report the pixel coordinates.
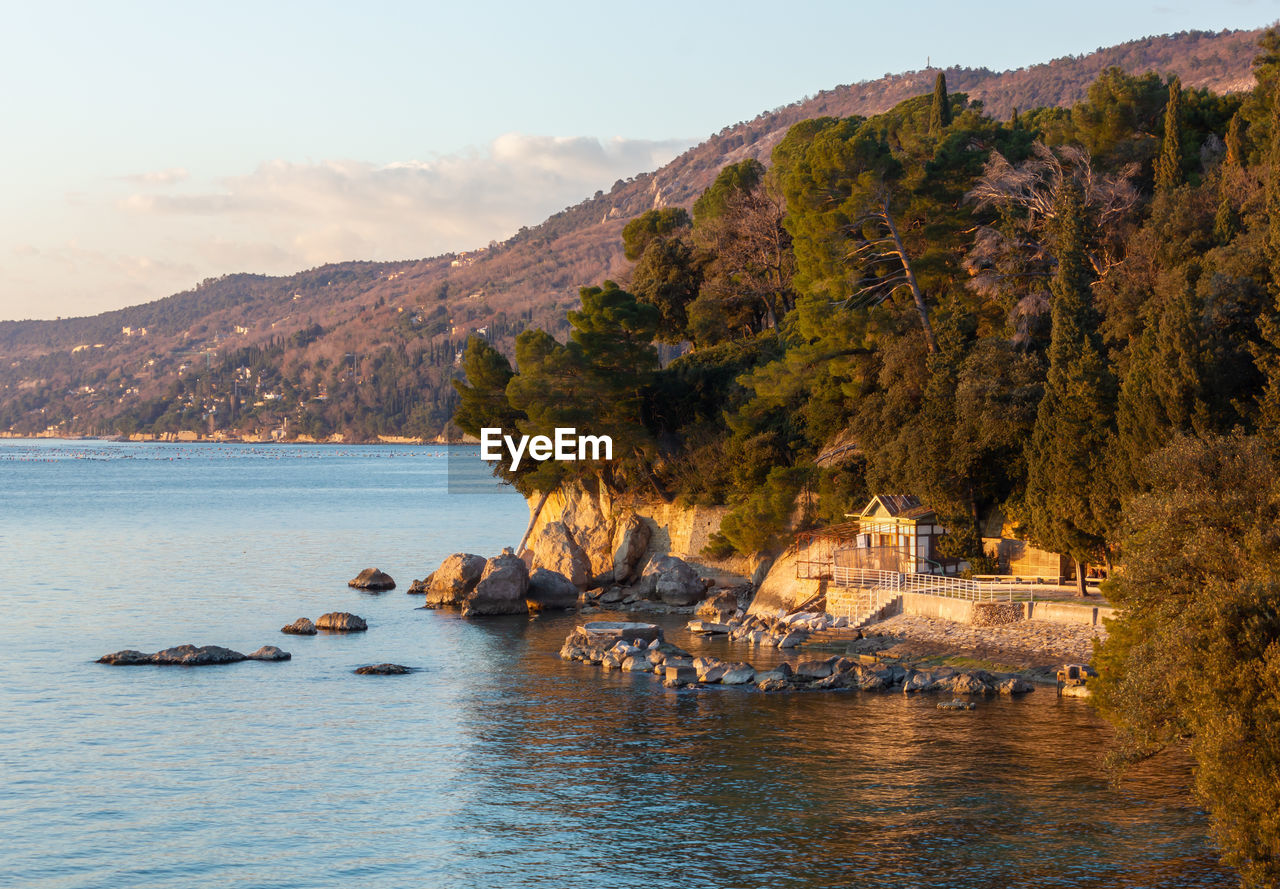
(996, 614)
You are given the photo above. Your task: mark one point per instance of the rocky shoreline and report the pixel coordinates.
(641, 648)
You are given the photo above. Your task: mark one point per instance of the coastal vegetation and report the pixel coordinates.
(1067, 317)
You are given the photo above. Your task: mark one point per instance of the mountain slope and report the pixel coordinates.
(367, 348)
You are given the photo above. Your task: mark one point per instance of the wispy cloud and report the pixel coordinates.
(159, 177)
(342, 209)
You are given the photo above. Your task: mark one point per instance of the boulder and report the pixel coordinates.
(608, 633)
(456, 577)
(738, 674)
(706, 628)
(502, 589)
(419, 587)
(550, 591)
(870, 679)
(192, 656)
(630, 540)
(813, 668)
(969, 684)
(612, 596)
(677, 582)
(772, 682)
(793, 639)
(341, 622)
(637, 664)
(300, 627)
(382, 670)
(555, 549)
(270, 653)
(126, 658)
(373, 580)
(680, 674)
(1014, 685)
(720, 608)
(710, 669)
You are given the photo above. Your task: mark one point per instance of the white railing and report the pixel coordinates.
(929, 584)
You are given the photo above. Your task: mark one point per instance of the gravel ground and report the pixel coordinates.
(1030, 641)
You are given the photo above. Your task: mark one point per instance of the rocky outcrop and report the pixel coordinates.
(382, 670)
(300, 627)
(781, 590)
(555, 549)
(373, 580)
(550, 591)
(417, 588)
(192, 656)
(630, 542)
(617, 535)
(450, 584)
(502, 589)
(341, 622)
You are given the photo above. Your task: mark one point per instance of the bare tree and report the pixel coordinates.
(887, 267)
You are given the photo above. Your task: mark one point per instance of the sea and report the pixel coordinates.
(494, 763)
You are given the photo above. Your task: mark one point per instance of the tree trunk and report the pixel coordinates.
(921, 308)
(1080, 569)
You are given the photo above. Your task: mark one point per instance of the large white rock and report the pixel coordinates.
(555, 549)
(457, 576)
(502, 588)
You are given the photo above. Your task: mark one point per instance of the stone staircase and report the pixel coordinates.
(862, 605)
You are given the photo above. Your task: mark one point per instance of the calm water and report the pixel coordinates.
(495, 765)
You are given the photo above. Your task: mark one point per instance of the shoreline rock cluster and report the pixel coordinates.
(192, 656)
(481, 587)
(788, 631)
(640, 648)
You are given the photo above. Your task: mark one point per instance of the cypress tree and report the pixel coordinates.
(1235, 141)
(1169, 164)
(940, 113)
(1068, 497)
(1015, 123)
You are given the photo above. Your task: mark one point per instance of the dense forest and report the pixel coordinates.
(364, 349)
(1069, 315)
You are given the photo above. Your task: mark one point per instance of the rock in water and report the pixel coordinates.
(738, 674)
(373, 580)
(1015, 685)
(191, 656)
(550, 590)
(382, 670)
(341, 622)
(418, 587)
(126, 658)
(449, 585)
(270, 653)
(300, 627)
(502, 588)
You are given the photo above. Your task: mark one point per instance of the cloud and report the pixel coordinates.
(166, 230)
(344, 209)
(159, 177)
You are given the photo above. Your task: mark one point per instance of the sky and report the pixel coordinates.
(147, 146)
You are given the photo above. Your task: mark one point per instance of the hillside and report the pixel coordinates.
(368, 349)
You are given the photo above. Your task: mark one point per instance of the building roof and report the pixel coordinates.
(897, 506)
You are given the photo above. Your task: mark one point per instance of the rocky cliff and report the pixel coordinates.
(594, 535)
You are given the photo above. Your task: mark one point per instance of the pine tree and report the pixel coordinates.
(1068, 495)
(940, 113)
(1268, 358)
(1169, 164)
